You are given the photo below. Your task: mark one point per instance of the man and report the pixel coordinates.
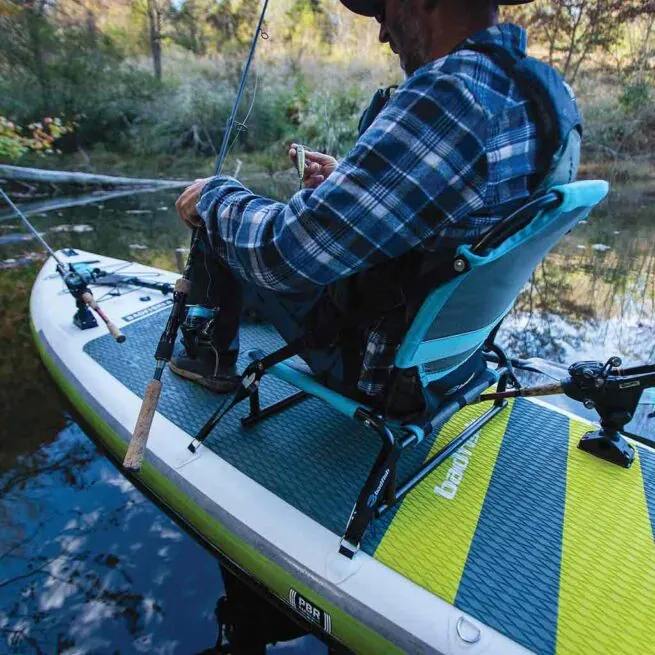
(449, 153)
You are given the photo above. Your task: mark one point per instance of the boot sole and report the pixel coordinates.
(220, 386)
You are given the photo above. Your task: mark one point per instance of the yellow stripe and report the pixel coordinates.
(607, 581)
(429, 538)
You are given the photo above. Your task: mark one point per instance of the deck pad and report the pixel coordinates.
(549, 545)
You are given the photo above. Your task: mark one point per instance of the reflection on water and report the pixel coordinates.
(87, 564)
(594, 296)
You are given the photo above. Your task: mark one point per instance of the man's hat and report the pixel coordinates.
(369, 7)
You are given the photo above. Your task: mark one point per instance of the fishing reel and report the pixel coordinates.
(77, 284)
(614, 394)
(197, 329)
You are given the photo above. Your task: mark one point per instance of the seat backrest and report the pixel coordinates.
(458, 316)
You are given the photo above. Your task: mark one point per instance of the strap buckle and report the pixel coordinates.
(347, 549)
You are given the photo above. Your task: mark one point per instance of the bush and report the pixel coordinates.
(39, 137)
(619, 121)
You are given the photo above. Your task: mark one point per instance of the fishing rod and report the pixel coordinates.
(74, 282)
(612, 391)
(117, 280)
(136, 449)
(248, 384)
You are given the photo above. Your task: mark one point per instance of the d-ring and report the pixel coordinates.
(469, 639)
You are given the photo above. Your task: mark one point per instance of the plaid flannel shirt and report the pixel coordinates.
(453, 146)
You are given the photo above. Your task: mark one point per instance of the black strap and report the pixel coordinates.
(248, 384)
(555, 111)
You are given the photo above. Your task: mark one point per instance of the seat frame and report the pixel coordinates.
(382, 490)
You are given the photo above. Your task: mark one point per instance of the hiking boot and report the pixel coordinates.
(198, 360)
(207, 368)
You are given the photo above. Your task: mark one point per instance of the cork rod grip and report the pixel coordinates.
(115, 332)
(545, 390)
(134, 456)
(182, 285)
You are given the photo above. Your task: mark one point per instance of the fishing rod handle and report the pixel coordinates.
(545, 390)
(88, 298)
(136, 449)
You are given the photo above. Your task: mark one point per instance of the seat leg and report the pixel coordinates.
(380, 483)
(258, 414)
(504, 379)
(392, 486)
(439, 458)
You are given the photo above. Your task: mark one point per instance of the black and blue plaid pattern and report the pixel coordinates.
(455, 144)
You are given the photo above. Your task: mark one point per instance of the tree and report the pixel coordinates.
(572, 30)
(154, 24)
(27, 37)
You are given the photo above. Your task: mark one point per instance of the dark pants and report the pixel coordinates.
(214, 285)
(301, 316)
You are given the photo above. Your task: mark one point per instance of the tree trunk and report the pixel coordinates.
(154, 20)
(35, 26)
(70, 177)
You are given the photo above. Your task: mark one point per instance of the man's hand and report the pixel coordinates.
(317, 166)
(186, 203)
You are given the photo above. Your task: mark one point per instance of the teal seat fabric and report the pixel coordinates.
(457, 317)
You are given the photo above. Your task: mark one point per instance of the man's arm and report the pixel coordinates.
(420, 168)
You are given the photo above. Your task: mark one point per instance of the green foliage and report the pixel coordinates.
(11, 141)
(574, 30)
(619, 121)
(635, 96)
(71, 72)
(311, 79)
(328, 119)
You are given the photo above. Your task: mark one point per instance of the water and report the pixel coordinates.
(87, 563)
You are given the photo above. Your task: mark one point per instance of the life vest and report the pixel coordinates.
(400, 285)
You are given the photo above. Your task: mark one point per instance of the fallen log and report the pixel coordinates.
(22, 174)
(62, 202)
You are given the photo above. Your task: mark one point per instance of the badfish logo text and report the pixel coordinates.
(455, 474)
(373, 498)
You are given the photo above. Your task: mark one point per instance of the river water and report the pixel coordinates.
(87, 563)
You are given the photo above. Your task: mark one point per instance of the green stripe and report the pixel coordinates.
(607, 580)
(345, 628)
(431, 546)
